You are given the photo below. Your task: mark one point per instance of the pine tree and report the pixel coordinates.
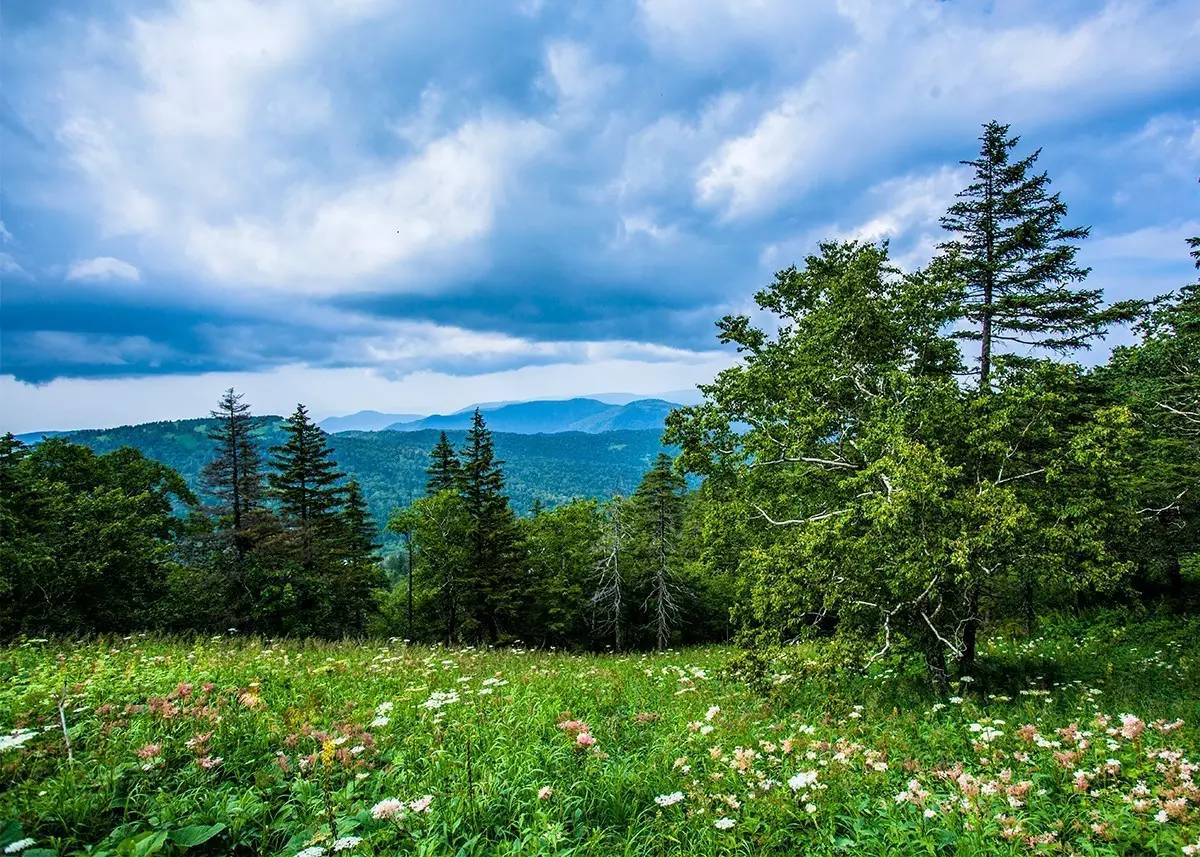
(360, 534)
(444, 469)
(234, 477)
(306, 482)
(1015, 259)
(494, 545)
(658, 504)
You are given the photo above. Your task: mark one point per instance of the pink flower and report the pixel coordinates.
(1132, 727)
(584, 739)
(545, 793)
(149, 751)
(421, 805)
(387, 808)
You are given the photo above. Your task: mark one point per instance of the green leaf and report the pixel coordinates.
(195, 834)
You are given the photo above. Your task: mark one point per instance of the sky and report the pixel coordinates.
(381, 205)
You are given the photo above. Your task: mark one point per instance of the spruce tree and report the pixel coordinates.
(234, 477)
(444, 468)
(1016, 260)
(494, 543)
(306, 482)
(360, 534)
(658, 506)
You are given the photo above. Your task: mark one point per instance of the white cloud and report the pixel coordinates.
(920, 70)
(1160, 243)
(425, 211)
(197, 153)
(905, 211)
(103, 269)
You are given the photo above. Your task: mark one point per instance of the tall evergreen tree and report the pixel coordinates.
(491, 585)
(1016, 260)
(610, 597)
(444, 470)
(305, 479)
(234, 477)
(361, 538)
(658, 504)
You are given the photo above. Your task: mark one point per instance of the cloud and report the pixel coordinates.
(918, 71)
(103, 269)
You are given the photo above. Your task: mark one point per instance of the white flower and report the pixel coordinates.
(421, 804)
(724, 823)
(712, 712)
(346, 843)
(1161, 816)
(930, 813)
(439, 698)
(810, 808)
(314, 851)
(387, 808)
(669, 800)
(802, 780)
(19, 845)
(379, 721)
(957, 700)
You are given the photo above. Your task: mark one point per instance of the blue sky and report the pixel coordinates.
(368, 204)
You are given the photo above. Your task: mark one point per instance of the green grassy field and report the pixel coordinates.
(1065, 743)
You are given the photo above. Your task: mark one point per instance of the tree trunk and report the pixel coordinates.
(966, 663)
(935, 662)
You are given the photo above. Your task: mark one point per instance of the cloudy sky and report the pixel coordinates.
(380, 204)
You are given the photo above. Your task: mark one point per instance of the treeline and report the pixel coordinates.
(117, 542)
(896, 460)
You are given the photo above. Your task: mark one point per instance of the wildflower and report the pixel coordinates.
(1161, 816)
(724, 823)
(209, 762)
(314, 851)
(706, 729)
(1132, 727)
(712, 712)
(930, 813)
(346, 843)
(957, 700)
(19, 845)
(387, 808)
(802, 780)
(379, 721)
(149, 751)
(810, 808)
(545, 793)
(669, 800)
(421, 805)
(585, 739)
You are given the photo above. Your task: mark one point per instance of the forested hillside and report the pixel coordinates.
(390, 465)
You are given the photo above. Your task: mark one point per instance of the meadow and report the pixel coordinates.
(1080, 740)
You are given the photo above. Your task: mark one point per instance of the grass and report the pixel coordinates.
(249, 746)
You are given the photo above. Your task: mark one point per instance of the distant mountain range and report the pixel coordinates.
(390, 465)
(365, 421)
(549, 417)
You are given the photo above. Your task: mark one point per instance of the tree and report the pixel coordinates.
(439, 529)
(234, 476)
(559, 549)
(891, 500)
(1016, 260)
(305, 480)
(658, 513)
(361, 541)
(494, 550)
(444, 470)
(610, 597)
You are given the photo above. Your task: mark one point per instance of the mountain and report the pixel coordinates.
(566, 415)
(365, 421)
(390, 465)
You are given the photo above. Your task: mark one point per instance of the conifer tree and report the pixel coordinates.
(1016, 260)
(444, 468)
(494, 544)
(234, 477)
(658, 504)
(306, 481)
(360, 539)
(610, 597)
